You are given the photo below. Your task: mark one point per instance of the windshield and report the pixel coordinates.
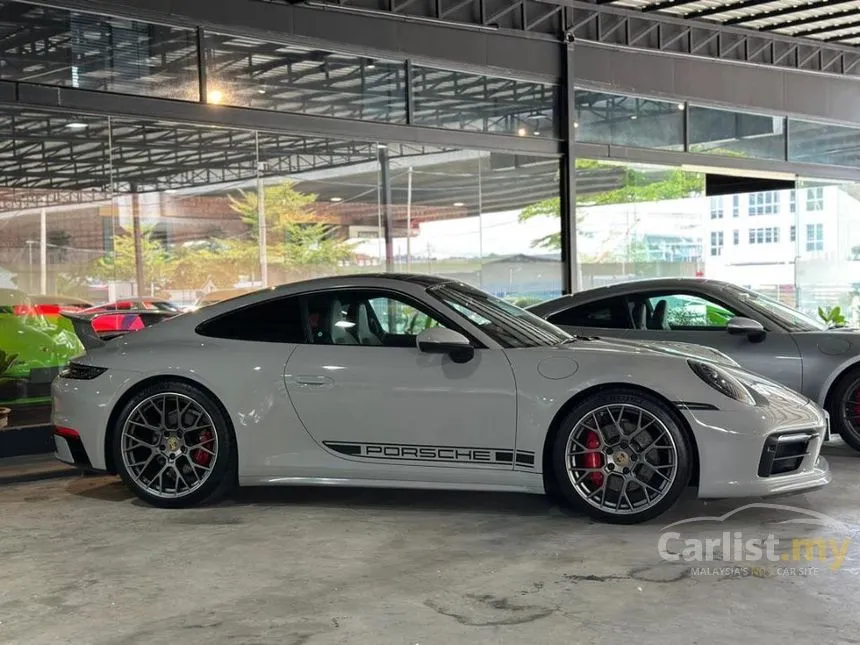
(505, 323)
(791, 319)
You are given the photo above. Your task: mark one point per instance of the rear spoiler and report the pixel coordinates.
(91, 339)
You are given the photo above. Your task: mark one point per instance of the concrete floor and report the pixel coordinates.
(82, 562)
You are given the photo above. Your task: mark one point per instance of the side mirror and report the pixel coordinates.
(438, 340)
(748, 327)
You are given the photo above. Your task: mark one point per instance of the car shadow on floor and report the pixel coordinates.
(463, 503)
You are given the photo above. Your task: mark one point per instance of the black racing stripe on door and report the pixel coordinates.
(525, 458)
(424, 453)
(344, 448)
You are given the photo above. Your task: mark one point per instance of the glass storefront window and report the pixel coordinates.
(287, 78)
(641, 221)
(620, 120)
(736, 134)
(823, 143)
(121, 213)
(461, 101)
(91, 52)
(800, 247)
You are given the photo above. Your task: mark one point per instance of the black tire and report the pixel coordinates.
(222, 478)
(571, 481)
(844, 389)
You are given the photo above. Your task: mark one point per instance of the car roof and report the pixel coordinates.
(359, 279)
(649, 284)
(346, 281)
(141, 299)
(549, 307)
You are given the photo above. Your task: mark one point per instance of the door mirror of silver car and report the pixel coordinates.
(748, 327)
(439, 340)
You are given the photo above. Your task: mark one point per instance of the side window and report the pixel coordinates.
(366, 318)
(274, 321)
(608, 314)
(686, 311)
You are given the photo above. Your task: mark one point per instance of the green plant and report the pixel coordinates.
(833, 316)
(6, 361)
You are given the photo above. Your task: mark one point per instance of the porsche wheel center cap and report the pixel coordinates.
(621, 459)
(172, 444)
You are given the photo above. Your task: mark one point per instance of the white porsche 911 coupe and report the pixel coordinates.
(422, 382)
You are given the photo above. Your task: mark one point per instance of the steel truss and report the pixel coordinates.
(599, 21)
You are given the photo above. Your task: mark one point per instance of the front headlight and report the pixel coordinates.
(722, 381)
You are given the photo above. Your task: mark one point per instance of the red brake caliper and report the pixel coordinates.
(201, 457)
(593, 459)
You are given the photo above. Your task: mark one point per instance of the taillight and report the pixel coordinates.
(24, 310)
(67, 433)
(81, 372)
(47, 310)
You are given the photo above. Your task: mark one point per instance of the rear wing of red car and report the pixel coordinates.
(90, 338)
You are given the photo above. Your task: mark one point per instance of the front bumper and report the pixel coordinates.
(735, 463)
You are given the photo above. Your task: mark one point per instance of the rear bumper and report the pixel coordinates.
(80, 415)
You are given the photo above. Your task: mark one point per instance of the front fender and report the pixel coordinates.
(821, 396)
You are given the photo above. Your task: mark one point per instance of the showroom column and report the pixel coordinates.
(138, 248)
(385, 193)
(570, 271)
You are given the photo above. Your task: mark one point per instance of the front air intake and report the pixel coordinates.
(784, 453)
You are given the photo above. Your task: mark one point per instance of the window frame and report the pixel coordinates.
(304, 296)
(198, 329)
(647, 296)
(621, 303)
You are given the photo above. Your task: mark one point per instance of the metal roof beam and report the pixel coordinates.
(667, 4)
(816, 31)
(848, 12)
(725, 8)
(788, 11)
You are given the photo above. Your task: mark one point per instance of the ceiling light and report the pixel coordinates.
(76, 125)
(262, 90)
(337, 199)
(575, 124)
(215, 96)
(522, 132)
(681, 106)
(634, 117)
(459, 204)
(537, 133)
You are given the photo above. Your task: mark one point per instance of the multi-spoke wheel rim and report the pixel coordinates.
(621, 459)
(169, 445)
(851, 408)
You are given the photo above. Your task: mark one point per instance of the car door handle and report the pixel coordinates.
(313, 380)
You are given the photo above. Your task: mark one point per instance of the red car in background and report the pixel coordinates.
(124, 322)
(52, 305)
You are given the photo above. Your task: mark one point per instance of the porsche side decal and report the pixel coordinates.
(448, 454)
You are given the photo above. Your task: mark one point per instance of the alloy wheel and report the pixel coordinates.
(169, 445)
(621, 459)
(851, 408)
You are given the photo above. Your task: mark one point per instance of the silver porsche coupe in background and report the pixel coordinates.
(760, 333)
(422, 382)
